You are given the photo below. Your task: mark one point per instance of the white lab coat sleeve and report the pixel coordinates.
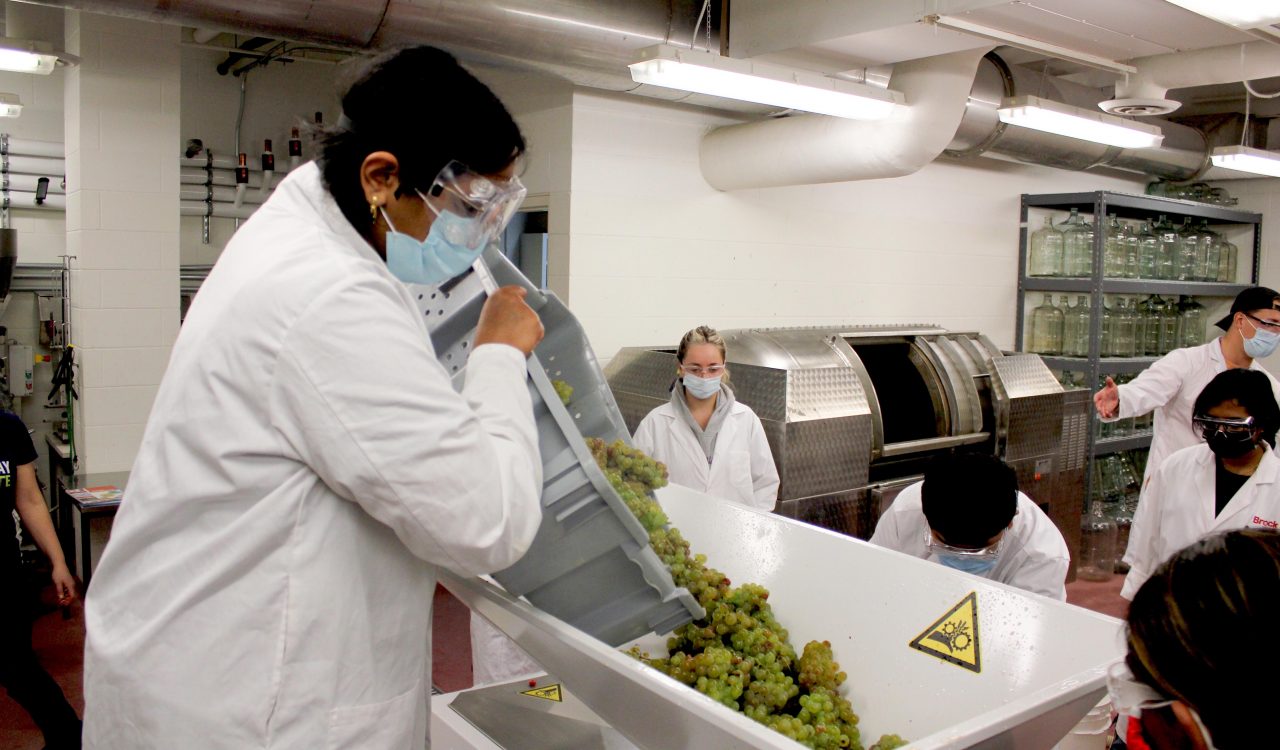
(1142, 554)
(458, 480)
(764, 475)
(645, 438)
(1044, 575)
(887, 533)
(1154, 387)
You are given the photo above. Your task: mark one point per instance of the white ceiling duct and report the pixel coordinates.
(810, 149)
(1145, 92)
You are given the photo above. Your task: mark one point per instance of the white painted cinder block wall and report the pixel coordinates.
(654, 250)
(121, 107)
(1262, 196)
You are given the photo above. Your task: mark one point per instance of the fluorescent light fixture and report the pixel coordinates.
(1243, 14)
(704, 72)
(23, 56)
(1245, 159)
(1074, 122)
(10, 105)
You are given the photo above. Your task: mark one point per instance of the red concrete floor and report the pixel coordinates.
(60, 645)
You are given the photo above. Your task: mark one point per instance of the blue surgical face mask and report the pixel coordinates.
(1263, 343)
(978, 565)
(702, 387)
(440, 257)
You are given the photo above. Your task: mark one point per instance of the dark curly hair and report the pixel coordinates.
(419, 104)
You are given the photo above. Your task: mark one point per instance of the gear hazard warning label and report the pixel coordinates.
(548, 693)
(954, 637)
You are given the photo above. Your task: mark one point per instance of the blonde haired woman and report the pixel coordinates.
(706, 437)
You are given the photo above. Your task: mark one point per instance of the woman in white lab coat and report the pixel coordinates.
(307, 464)
(1230, 481)
(708, 439)
(1193, 676)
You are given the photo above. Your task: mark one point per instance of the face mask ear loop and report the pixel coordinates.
(430, 207)
(387, 219)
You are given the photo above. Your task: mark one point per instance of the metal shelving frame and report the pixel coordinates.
(1126, 206)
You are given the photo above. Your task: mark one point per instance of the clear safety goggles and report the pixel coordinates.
(939, 547)
(1207, 425)
(486, 204)
(704, 372)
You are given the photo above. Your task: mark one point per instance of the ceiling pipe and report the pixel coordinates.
(1146, 92)
(1184, 154)
(811, 149)
(586, 42)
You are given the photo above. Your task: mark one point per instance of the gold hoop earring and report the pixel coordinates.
(373, 209)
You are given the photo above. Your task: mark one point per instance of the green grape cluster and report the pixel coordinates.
(889, 742)
(738, 654)
(818, 667)
(563, 390)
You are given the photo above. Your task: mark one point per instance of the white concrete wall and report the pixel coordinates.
(655, 251)
(122, 115)
(1262, 196)
(543, 108)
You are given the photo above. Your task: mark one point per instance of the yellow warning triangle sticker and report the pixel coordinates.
(954, 637)
(548, 693)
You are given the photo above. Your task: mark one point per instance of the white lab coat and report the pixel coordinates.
(1033, 554)
(1170, 387)
(305, 468)
(1178, 509)
(741, 468)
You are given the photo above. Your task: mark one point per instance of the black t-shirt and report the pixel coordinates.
(1228, 485)
(16, 449)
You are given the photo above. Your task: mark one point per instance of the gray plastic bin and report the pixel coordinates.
(590, 563)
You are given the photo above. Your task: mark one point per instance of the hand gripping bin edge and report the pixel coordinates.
(590, 563)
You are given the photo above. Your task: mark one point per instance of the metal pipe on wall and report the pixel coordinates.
(27, 147)
(26, 200)
(227, 177)
(37, 165)
(219, 194)
(30, 182)
(217, 210)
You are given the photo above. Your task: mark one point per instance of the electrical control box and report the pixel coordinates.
(21, 369)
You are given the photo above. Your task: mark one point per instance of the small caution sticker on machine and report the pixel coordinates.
(546, 693)
(954, 637)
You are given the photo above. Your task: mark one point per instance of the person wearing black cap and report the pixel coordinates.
(1170, 385)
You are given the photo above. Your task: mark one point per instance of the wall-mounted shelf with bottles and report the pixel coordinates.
(1136, 282)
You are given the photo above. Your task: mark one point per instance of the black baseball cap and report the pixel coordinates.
(1253, 298)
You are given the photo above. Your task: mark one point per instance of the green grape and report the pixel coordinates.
(738, 654)
(563, 390)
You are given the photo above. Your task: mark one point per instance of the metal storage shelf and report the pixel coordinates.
(1106, 446)
(1133, 206)
(1106, 366)
(1134, 286)
(1127, 206)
